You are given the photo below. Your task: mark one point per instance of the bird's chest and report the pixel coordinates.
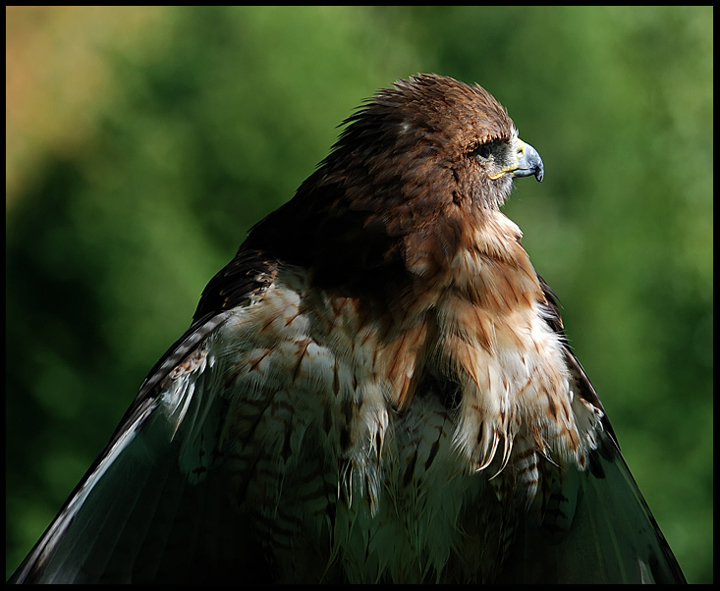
(333, 478)
(365, 442)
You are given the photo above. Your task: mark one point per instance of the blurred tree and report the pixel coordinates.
(192, 123)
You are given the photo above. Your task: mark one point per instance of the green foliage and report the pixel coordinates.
(217, 115)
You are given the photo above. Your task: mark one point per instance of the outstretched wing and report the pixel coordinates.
(596, 526)
(153, 506)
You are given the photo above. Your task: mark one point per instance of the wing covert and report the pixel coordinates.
(135, 516)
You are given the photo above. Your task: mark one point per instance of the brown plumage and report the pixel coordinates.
(377, 388)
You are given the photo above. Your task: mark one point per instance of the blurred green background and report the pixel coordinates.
(142, 143)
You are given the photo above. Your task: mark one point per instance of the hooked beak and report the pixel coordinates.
(528, 163)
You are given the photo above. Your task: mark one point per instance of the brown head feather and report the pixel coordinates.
(394, 198)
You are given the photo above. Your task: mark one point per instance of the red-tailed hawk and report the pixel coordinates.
(377, 388)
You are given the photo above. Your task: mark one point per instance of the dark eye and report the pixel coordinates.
(483, 151)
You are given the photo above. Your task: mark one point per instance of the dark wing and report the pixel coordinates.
(151, 507)
(596, 526)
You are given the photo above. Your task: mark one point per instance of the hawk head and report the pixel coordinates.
(432, 138)
(415, 167)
